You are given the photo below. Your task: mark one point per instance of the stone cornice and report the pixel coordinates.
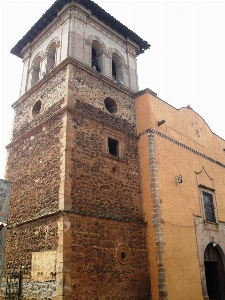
(100, 13)
(102, 215)
(151, 130)
(72, 110)
(64, 63)
(142, 92)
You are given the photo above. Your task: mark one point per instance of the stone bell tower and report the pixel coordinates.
(76, 228)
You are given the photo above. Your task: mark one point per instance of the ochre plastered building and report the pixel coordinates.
(183, 173)
(115, 194)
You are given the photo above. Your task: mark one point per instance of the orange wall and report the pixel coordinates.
(148, 212)
(179, 202)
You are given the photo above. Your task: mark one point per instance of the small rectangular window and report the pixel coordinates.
(208, 206)
(113, 147)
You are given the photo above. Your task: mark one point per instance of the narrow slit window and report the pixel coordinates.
(113, 147)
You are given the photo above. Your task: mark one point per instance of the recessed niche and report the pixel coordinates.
(36, 108)
(110, 105)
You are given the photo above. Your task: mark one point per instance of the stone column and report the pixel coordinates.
(108, 65)
(87, 52)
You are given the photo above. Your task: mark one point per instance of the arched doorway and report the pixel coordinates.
(214, 272)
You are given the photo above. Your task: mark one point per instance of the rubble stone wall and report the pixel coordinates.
(34, 170)
(109, 259)
(22, 241)
(103, 184)
(51, 93)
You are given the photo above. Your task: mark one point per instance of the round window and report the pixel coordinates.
(123, 255)
(36, 108)
(110, 105)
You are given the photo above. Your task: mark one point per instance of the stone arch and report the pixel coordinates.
(35, 68)
(51, 54)
(53, 41)
(92, 38)
(38, 56)
(97, 53)
(115, 52)
(213, 239)
(118, 63)
(213, 270)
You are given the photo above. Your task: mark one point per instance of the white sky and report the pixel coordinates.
(185, 65)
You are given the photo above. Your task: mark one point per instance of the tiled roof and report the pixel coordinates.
(51, 13)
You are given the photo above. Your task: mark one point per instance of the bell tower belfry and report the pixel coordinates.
(76, 228)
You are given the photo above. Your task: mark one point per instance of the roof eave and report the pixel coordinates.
(51, 13)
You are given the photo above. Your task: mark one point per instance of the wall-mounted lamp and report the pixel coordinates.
(179, 179)
(161, 122)
(214, 244)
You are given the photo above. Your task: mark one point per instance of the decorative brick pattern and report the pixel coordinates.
(156, 219)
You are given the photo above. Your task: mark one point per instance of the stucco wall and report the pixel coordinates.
(183, 145)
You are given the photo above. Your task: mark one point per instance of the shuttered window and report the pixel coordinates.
(209, 207)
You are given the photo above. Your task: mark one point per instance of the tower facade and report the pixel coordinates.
(76, 227)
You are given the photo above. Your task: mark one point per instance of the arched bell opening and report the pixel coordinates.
(51, 57)
(35, 71)
(96, 56)
(117, 68)
(214, 272)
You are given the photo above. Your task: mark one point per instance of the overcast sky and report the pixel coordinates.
(185, 65)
